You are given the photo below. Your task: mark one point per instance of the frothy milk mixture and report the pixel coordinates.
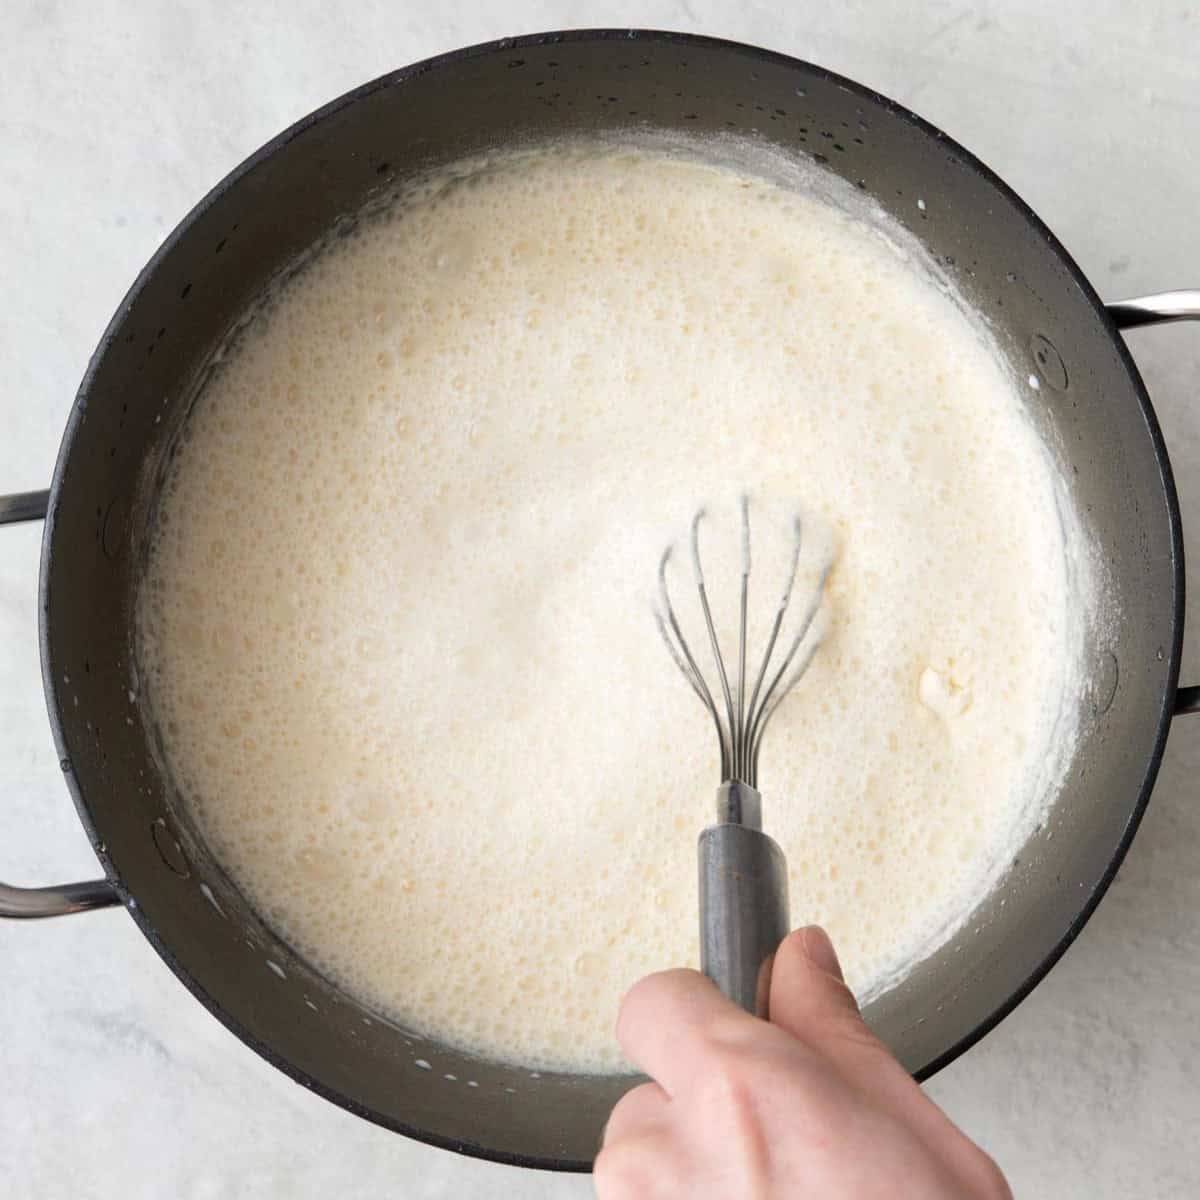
(396, 625)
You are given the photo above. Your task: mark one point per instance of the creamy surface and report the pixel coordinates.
(396, 623)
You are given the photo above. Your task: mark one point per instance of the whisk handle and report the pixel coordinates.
(743, 911)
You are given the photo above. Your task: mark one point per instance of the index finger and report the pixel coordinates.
(665, 1020)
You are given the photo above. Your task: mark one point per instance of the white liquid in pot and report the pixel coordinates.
(396, 623)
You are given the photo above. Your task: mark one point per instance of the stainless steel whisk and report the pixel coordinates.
(743, 872)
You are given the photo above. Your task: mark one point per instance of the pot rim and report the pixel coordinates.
(655, 37)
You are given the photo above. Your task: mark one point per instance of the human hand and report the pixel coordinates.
(810, 1103)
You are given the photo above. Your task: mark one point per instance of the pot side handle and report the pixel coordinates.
(68, 897)
(1158, 310)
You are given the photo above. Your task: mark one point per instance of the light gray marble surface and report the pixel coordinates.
(115, 116)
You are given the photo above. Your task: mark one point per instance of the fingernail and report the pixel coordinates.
(820, 952)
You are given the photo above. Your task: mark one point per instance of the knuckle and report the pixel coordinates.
(630, 1004)
(731, 1034)
(613, 1174)
(993, 1184)
(627, 1169)
(733, 1101)
(643, 992)
(637, 1097)
(630, 1110)
(849, 1029)
(729, 1085)
(844, 997)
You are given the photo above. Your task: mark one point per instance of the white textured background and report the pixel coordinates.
(115, 117)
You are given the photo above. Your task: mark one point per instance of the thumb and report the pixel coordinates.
(810, 999)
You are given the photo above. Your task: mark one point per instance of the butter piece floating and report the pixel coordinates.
(943, 695)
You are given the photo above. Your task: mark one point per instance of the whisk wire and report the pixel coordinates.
(801, 667)
(712, 638)
(683, 657)
(766, 706)
(740, 734)
(741, 768)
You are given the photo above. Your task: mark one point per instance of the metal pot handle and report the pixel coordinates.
(68, 897)
(1158, 310)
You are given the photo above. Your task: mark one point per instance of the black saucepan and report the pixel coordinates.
(1091, 408)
